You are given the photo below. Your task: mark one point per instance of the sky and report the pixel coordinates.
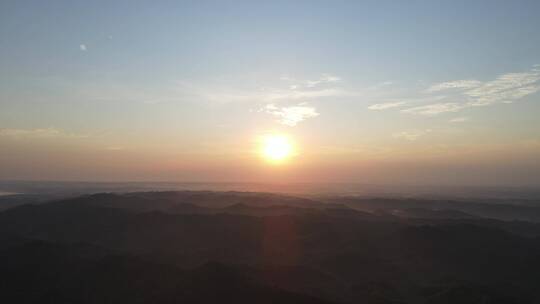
(379, 92)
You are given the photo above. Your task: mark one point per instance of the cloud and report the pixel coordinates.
(286, 78)
(49, 132)
(435, 109)
(411, 135)
(458, 119)
(506, 88)
(295, 95)
(386, 105)
(83, 47)
(114, 148)
(324, 78)
(291, 116)
(38, 133)
(223, 93)
(456, 84)
(226, 95)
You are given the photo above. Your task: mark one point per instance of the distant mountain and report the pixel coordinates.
(431, 214)
(496, 210)
(170, 246)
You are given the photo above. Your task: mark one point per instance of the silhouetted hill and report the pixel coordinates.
(305, 249)
(41, 272)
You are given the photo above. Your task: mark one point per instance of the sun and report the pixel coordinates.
(276, 148)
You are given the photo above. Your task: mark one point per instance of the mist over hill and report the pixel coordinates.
(507, 194)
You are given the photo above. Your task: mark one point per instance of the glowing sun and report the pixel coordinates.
(276, 148)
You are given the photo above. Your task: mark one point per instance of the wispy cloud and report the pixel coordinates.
(435, 109)
(82, 47)
(114, 148)
(217, 92)
(291, 116)
(296, 90)
(38, 133)
(411, 135)
(386, 105)
(325, 78)
(506, 88)
(267, 96)
(458, 119)
(295, 95)
(456, 84)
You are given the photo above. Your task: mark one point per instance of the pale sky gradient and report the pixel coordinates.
(393, 92)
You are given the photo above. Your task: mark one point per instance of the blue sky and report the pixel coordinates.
(356, 84)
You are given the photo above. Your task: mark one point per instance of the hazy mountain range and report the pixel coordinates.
(245, 247)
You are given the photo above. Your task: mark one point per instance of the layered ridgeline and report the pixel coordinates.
(239, 247)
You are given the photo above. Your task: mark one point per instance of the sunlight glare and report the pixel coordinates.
(276, 148)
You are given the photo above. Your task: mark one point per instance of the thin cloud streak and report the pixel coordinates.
(291, 116)
(38, 133)
(411, 135)
(386, 105)
(435, 109)
(506, 88)
(268, 96)
(456, 84)
(459, 119)
(297, 90)
(324, 78)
